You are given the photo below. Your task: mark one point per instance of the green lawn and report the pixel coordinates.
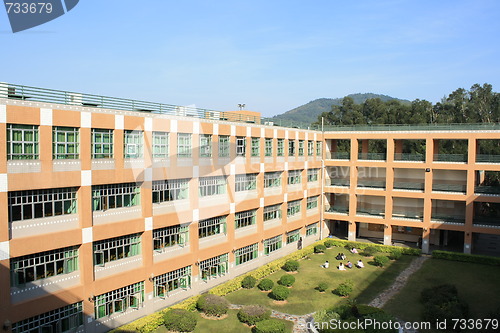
(229, 324)
(368, 282)
(477, 285)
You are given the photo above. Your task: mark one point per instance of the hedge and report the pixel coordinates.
(455, 256)
(269, 326)
(180, 320)
(380, 248)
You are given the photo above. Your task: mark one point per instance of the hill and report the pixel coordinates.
(309, 112)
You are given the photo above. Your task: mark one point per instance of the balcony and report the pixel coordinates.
(453, 219)
(338, 210)
(491, 190)
(409, 186)
(450, 158)
(409, 157)
(370, 212)
(460, 188)
(378, 184)
(340, 155)
(488, 221)
(482, 158)
(340, 182)
(372, 156)
(408, 215)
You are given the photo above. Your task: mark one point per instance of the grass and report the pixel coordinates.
(476, 284)
(229, 324)
(368, 282)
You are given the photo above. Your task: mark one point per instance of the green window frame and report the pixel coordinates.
(184, 145)
(293, 208)
(301, 147)
(312, 175)
(224, 146)
(310, 148)
(255, 147)
(280, 147)
(268, 147)
(273, 244)
(112, 249)
(111, 196)
(241, 144)
(65, 319)
(205, 145)
(272, 212)
(291, 148)
(166, 283)
(212, 226)
(245, 218)
(22, 142)
(167, 237)
(272, 179)
(245, 182)
(215, 185)
(214, 267)
(292, 236)
(102, 143)
(170, 190)
(160, 144)
(65, 142)
(312, 229)
(119, 300)
(319, 148)
(246, 254)
(133, 144)
(312, 202)
(294, 177)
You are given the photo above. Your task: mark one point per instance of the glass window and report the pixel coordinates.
(294, 177)
(272, 212)
(212, 185)
(184, 146)
(312, 175)
(310, 148)
(160, 144)
(223, 146)
(245, 219)
(291, 147)
(255, 147)
(214, 267)
(65, 319)
(102, 143)
(301, 147)
(65, 143)
(312, 229)
(273, 244)
(205, 145)
(212, 226)
(319, 147)
(293, 236)
(111, 196)
(172, 281)
(165, 238)
(170, 190)
(132, 144)
(281, 147)
(22, 142)
(293, 208)
(246, 254)
(117, 248)
(272, 179)
(241, 143)
(119, 300)
(312, 202)
(268, 147)
(246, 182)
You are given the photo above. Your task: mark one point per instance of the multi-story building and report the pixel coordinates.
(113, 208)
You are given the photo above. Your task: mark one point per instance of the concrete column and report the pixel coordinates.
(426, 235)
(352, 232)
(468, 242)
(387, 235)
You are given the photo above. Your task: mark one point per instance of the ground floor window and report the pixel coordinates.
(246, 254)
(119, 300)
(214, 267)
(174, 280)
(65, 319)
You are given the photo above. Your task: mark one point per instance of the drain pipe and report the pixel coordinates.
(322, 210)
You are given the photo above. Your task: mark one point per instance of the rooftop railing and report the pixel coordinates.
(415, 127)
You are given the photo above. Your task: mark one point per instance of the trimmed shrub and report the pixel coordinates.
(455, 256)
(370, 251)
(345, 288)
(269, 326)
(323, 286)
(381, 260)
(248, 282)
(291, 266)
(213, 305)
(252, 314)
(265, 284)
(180, 320)
(395, 255)
(329, 243)
(319, 248)
(287, 280)
(280, 293)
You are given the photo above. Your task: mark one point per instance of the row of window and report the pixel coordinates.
(23, 142)
(31, 204)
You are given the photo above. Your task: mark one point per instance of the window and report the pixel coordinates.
(223, 146)
(212, 226)
(22, 142)
(117, 248)
(241, 144)
(310, 148)
(111, 196)
(272, 212)
(160, 144)
(291, 148)
(170, 236)
(119, 300)
(268, 147)
(312, 229)
(205, 145)
(170, 190)
(293, 208)
(132, 144)
(214, 267)
(65, 142)
(319, 146)
(255, 147)
(312, 202)
(273, 244)
(102, 143)
(65, 319)
(33, 204)
(43, 265)
(212, 185)
(245, 219)
(184, 145)
(171, 281)
(294, 177)
(272, 179)
(281, 147)
(312, 175)
(246, 182)
(246, 254)
(301, 147)
(293, 236)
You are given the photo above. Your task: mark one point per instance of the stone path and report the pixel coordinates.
(299, 322)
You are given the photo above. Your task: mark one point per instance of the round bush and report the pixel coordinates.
(213, 305)
(265, 284)
(280, 293)
(344, 289)
(180, 320)
(252, 314)
(323, 286)
(248, 282)
(291, 266)
(287, 280)
(381, 260)
(270, 326)
(396, 254)
(329, 243)
(370, 251)
(319, 249)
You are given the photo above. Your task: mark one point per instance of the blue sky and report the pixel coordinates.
(271, 55)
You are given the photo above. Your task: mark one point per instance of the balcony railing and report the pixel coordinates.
(371, 183)
(409, 157)
(492, 221)
(340, 155)
(482, 158)
(372, 156)
(339, 182)
(449, 188)
(412, 215)
(447, 218)
(487, 189)
(450, 158)
(409, 186)
(370, 212)
(338, 209)
(416, 127)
